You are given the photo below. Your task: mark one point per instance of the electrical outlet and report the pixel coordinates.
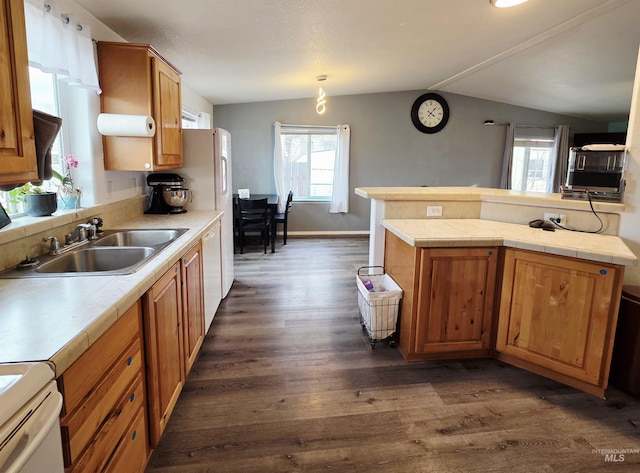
(434, 210)
(557, 218)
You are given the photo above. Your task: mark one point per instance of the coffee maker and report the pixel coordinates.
(167, 194)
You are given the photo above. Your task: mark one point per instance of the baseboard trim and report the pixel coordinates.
(327, 234)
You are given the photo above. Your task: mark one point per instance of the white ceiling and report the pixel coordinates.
(575, 57)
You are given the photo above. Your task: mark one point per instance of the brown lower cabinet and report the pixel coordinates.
(448, 300)
(192, 304)
(118, 396)
(104, 400)
(558, 317)
(552, 315)
(164, 352)
(174, 331)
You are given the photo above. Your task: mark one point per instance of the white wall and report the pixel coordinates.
(192, 100)
(630, 223)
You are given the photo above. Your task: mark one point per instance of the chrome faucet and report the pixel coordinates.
(82, 234)
(79, 234)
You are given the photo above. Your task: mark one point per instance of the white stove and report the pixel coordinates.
(30, 406)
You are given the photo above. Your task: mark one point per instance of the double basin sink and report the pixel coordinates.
(115, 252)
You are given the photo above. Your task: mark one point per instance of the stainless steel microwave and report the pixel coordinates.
(597, 172)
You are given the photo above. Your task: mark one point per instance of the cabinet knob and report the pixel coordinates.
(603, 271)
(129, 361)
(134, 435)
(132, 397)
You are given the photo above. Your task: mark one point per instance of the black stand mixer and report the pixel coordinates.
(167, 194)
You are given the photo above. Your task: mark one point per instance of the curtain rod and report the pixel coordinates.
(328, 127)
(64, 18)
(551, 127)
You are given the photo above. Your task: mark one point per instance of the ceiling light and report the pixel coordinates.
(321, 103)
(506, 3)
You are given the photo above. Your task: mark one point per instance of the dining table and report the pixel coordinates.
(272, 203)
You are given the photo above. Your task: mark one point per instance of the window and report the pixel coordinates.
(44, 97)
(309, 159)
(533, 161)
(532, 165)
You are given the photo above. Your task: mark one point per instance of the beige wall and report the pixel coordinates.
(630, 222)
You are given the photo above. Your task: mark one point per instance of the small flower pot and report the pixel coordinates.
(41, 205)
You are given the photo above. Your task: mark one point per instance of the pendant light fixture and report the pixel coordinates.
(321, 103)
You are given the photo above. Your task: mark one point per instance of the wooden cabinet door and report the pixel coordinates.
(559, 314)
(164, 350)
(17, 143)
(455, 302)
(192, 304)
(168, 116)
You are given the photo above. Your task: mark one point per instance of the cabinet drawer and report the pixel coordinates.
(79, 427)
(131, 454)
(112, 432)
(79, 380)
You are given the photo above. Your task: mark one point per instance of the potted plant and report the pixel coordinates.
(68, 194)
(37, 202)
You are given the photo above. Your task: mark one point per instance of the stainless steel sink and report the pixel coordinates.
(116, 252)
(138, 237)
(97, 259)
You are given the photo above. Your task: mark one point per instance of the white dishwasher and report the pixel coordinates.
(30, 406)
(212, 273)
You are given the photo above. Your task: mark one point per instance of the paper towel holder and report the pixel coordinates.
(113, 124)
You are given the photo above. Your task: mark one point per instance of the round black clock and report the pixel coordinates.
(430, 113)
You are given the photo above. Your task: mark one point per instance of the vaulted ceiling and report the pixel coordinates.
(574, 57)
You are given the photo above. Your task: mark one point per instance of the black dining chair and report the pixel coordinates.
(253, 216)
(284, 217)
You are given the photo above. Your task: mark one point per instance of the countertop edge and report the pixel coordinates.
(425, 233)
(481, 194)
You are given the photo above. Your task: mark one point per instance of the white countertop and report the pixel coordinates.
(481, 194)
(476, 232)
(57, 319)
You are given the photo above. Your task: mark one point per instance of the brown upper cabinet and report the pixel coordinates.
(136, 80)
(17, 143)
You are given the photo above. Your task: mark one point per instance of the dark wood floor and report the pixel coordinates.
(287, 382)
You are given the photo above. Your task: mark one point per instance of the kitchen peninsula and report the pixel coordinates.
(498, 205)
(475, 286)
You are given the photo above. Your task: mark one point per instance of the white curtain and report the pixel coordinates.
(507, 157)
(560, 158)
(278, 167)
(340, 195)
(57, 44)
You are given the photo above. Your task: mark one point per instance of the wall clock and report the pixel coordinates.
(430, 113)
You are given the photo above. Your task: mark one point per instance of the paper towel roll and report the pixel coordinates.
(113, 124)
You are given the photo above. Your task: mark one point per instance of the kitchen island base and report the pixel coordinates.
(552, 315)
